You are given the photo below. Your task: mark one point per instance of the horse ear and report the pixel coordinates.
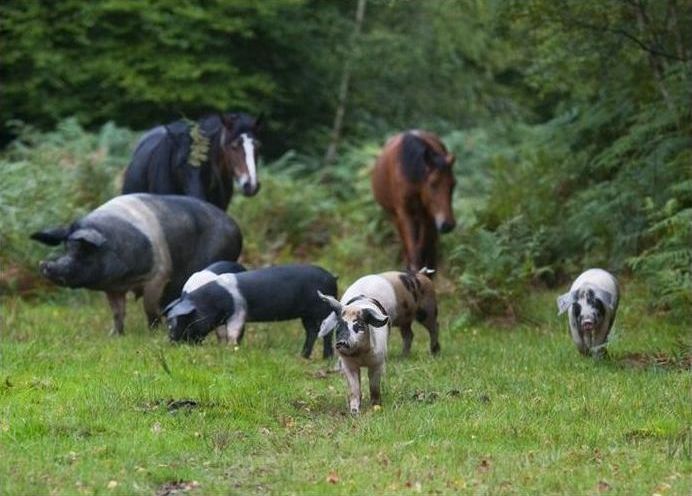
(228, 120)
(259, 122)
(434, 160)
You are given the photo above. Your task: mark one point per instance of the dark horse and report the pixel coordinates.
(413, 182)
(198, 159)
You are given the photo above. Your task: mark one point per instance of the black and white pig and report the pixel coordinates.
(592, 302)
(283, 292)
(145, 243)
(210, 274)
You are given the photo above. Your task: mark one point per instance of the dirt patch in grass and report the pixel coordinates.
(669, 361)
(422, 396)
(176, 487)
(170, 405)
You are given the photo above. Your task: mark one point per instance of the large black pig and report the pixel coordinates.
(148, 244)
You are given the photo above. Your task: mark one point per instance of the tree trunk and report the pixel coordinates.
(330, 154)
(657, 63)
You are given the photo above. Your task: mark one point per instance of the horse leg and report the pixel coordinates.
(405, 224)
(428, 245)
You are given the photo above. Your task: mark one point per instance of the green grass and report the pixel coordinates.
(501, 411)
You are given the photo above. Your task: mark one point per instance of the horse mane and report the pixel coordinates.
(417, 147)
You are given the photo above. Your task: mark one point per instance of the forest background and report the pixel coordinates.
(571, 122)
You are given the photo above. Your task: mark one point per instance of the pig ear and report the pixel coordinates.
(182, 307)
(51, 237)
(89, 236)
(328, 324)
(374, 317)
(564, 301)
(170, 305)
(331, 301)
(605, 297)
(426, 271)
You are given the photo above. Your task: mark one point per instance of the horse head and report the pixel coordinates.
(239, 149)
(438, 185)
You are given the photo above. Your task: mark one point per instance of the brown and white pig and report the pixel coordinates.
(362, 320)
(406, 297)
(145, 243)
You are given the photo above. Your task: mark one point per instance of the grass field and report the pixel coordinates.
(501, 411)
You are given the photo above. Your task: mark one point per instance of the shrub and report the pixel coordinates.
(51, 178)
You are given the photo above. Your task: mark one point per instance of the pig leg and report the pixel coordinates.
(353, 378)
(407, 336)
(241, 333)
(151, 298)
(235, 327)
(116, 301)
(311, 330)
(221, 337)
(375, 377)
(429, 321)
(328, 349)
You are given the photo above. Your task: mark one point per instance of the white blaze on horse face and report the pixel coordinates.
(439, 220)
(249, 149)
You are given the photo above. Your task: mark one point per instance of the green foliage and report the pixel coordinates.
(494, 268)
(667, 263)
(74, 58)
(49, 179)
(570, 122)
(599, 182)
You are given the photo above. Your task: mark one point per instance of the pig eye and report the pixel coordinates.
(358, 327)
(600, 308)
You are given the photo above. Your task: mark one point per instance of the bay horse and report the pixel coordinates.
(413, 182)
(198, 159)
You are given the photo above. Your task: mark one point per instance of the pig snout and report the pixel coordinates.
(587, 325)
(51, 270)
(341, 345)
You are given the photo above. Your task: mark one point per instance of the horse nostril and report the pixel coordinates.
(447, 226)
(249, 189)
